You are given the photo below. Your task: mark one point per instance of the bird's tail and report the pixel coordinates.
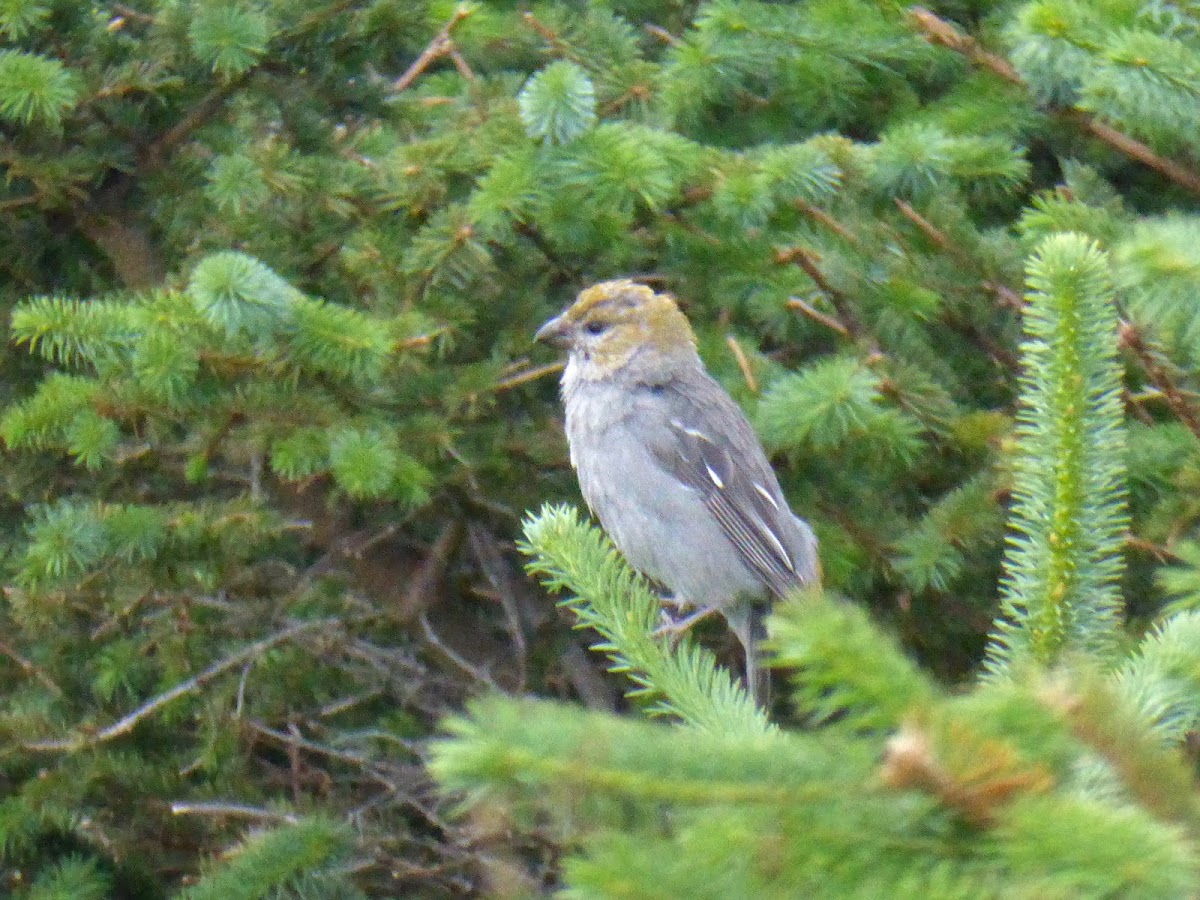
(748, 622)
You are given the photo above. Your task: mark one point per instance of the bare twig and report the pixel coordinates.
(662, 34)
(156, 154)
(527, 375)
(441, 45)
(1161, 377)
(14, 202)
(743, 363)
(483, 547)
(819, 215)
(234, 810)
(426, 579)
(460, 63)
(31, 668)
(453, 656)
(939, 31)
(1007, 296)
(127, 723)
(295, 742)
(816, 315)
(803, 258)
(548, 34)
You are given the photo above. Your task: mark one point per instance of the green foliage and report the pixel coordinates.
(71, 879)
(270, 860)
(271, 414)
(229, 37)
(1063, 568)
(34, 89)
(616, 603)
(240, 295)
(558, 104)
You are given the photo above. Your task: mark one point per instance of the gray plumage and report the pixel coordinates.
(669, 464)
(694, 507)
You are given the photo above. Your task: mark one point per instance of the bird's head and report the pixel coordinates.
(618, 324)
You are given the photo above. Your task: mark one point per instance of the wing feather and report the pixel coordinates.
(731, 473)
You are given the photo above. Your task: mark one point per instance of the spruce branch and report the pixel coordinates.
(529, 745)
(1100, 713)
(847, 670)
(1160, 376)
(1064, 558)
(127, 723)
(803, 258)
(441, 45)
(939, 31)
(1006, 295)
(682, 681)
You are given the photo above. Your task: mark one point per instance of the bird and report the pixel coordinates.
(670, 466)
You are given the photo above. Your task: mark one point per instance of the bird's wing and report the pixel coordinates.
(727, 467)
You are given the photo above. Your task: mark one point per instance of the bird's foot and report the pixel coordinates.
(679, 604)
(677, 628)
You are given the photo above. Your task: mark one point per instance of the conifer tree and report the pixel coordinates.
(271, 423)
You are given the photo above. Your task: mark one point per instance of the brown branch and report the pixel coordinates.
(441, 45)
(527, 375)
(458, 660)
(819, 215)
(662, 34)
(938, 31)
(1160, 376)
(128, 722)
(549, 35)
(815, 314)
(234, 810)
(460, 63)
(14, 202)
(489, 561)
(31, 668)
(743, 363)
(849, 326)
(1006, 295)
(156, 154)
(1135, 149)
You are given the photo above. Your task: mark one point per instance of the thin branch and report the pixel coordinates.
(1161, 377)
(31, 668)
(816, 315)
(156, 154)
(527, 375)
(939, 31)
(440, 46)
(460, 63)
(460, 662)
(14, 202)
(819, 215)
(127, 723)
(803, 258)
(743, 363)
(1135, 149)
(235, 810)
(483, 547)
(662, 34)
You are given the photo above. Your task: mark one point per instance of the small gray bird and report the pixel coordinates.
(669, 465)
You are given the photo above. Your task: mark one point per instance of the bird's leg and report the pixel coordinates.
(677, 603)
(677, 628)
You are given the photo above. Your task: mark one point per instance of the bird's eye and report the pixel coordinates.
(596, 327)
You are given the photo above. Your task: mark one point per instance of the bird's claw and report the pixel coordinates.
(677, 628)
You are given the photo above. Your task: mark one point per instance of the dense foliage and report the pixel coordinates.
(272, 421)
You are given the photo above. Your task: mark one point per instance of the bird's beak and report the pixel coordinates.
(553, 333)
